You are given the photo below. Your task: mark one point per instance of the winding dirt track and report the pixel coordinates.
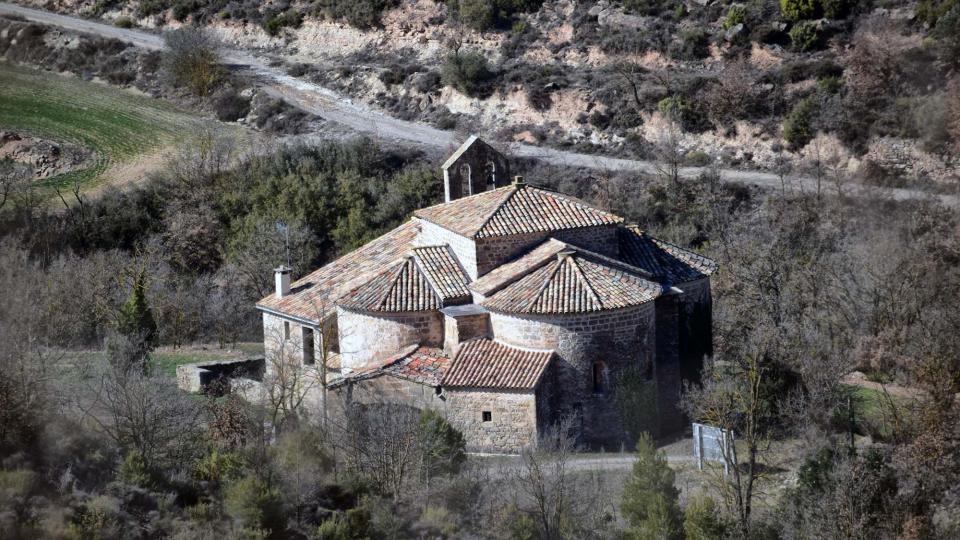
(331, 106)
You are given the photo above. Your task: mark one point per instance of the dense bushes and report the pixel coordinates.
(795, 10)
(192, 60)
(468, 72)
(274, 23)
(359, 13)
(798, 127)
(481, 15)
(804, 36)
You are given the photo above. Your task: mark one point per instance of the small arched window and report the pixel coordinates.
(599, 377)
(491, 175)
(466, 179)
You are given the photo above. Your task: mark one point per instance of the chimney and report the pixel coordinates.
(282, 275)
(518, 181)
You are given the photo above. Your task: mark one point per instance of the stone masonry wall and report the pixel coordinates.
(512, 426)
(623, 340)
(513, 422)
(464, 327)
(696, 327)
(394, 390)
(463, 247)
(667, 365)
(277, 345)
(493, 252)
(364, 336)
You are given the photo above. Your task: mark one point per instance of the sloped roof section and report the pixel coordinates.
(502, 275)
(444, 272)
(402, 287)
(515, 209)
(424, 365)
(313, 296)
(460, 151)
(661, 258)
(485, 363)
(575, 282)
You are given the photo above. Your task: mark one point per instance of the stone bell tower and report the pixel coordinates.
(475, 167)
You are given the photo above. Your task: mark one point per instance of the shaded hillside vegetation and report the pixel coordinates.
(878, 81)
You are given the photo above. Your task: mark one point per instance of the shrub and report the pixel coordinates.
(151, 7)
(647, 7)
(930, 11)
(183, 8)
(694, 44)
(947, 33)
(702, 520)
(290, 18)
(737, 14)
(254, 505)
(798, 126)
(230, 106)
(804, 35)
(830, 84)
(795, 10)
(696, 158)
(476, 14)
(192, 60)
(836, 9)
(680, 110)
(468, 72)
(358, 13)
(443, 445)
(123, 22)
(650, 500)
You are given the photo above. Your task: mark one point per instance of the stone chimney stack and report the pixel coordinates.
(282, 275)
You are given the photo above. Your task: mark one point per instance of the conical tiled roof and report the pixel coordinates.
(574, 282)
(402, 287)
(446, 275)
(515, 209)
(427, 279)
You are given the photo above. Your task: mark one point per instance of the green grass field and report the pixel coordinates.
(117, 124)
(877, 413)
(165, 360)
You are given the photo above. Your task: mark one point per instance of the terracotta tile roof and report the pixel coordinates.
(484, 363)
(424, 365)
(514, 209)
(575, 281)
(662, 258)
(446, 275)
(402, 287)
(315, 294)
(495, 279)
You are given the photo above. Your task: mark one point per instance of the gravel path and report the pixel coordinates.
(331, 106)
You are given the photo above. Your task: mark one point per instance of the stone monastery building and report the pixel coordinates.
(507, 308)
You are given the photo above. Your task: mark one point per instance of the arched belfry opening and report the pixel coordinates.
(466, 179)
(473, 168)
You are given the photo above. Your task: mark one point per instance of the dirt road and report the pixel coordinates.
(331, 106)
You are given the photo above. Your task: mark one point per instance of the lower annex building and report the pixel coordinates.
(506, 308)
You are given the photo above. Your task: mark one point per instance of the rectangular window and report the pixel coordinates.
(286, 330)
(308, 357)
(487, 416)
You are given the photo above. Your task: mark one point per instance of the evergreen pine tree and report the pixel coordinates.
(650, 500)
(135, 319)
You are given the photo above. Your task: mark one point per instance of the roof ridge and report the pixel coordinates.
(428, 276)
(586, 281)
(395, 280)
(516, 189)
(382, 301)
(543, 286)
